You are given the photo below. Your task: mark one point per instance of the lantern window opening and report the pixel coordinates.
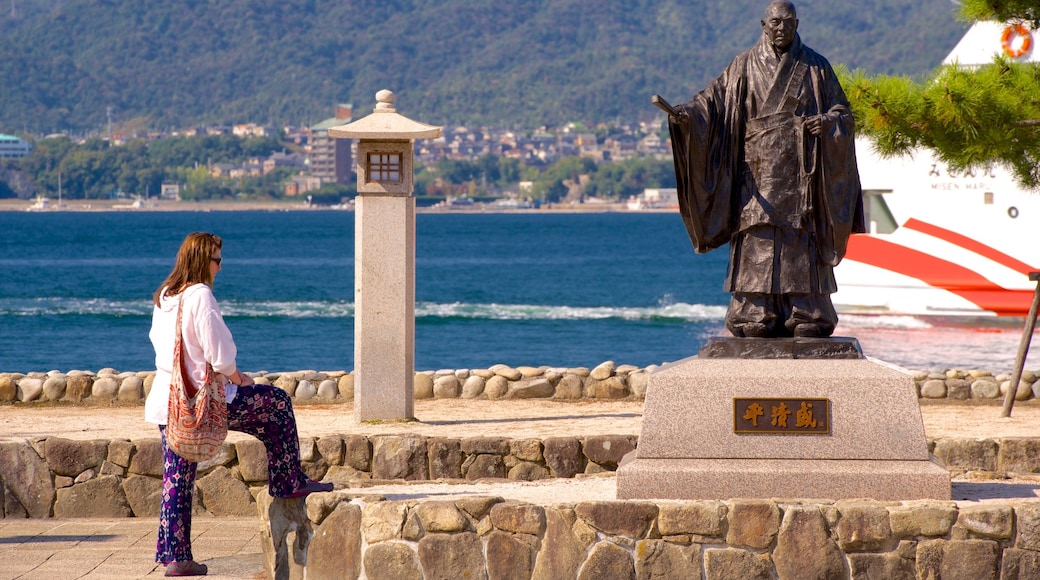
(384, 167)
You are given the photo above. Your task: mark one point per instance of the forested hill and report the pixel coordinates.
(521, 63)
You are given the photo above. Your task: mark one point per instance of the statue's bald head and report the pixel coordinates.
(780, 24)
(784, 5)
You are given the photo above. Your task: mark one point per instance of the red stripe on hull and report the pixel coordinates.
(939, 274)
(969, 244)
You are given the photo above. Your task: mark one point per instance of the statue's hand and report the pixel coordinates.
(815, 124)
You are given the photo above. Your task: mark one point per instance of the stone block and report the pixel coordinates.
(570, 388)
(958, 389)
(933, 520)
(105, 388)
(506, 372)
(970, 560)
(702, 518)
(889, 565)
(607, 450)
(119, 452)
(305, 390)
(225, 456)
(608, 560)
(445, 456)
(399, 457)
(730, 563)
(484, 466)
(27, 479)
(78, 387)
(619, 518)
(1027, 535)
(661, 559)
(986, 522)
(496, 387)
(532, 389)
(147, 458)
(492, 445)
(612, 388)
(392, 561)
(334, 552)
(358, 452)
(446, 387)
(331, 449)
(933, 389)
(144, 494)
(752, 523)
(346, 387)
(473, 387)
(328, 390)
(383, 521)
(441, 516)
(97, 498)
(252, 460)
(863, 528)
(804, 547)
(54, 388)
(423, 386)
(561, 552)
(70, 458)
(519, 518)
(510, 556)
(8, 388)
(458, 555)
(527, 471)
(1019, 564)
(131, 389)
(224, 495)
(563, 456)
(973, 454)
(526, 449)
(1019, 455)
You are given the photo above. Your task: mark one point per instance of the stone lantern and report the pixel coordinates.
(384, 261)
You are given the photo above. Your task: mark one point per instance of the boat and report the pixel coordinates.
(943, 243)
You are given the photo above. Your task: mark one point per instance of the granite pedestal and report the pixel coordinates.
(690, 447)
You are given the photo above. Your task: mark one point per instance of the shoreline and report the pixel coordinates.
(105, 205)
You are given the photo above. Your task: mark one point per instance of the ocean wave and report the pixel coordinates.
(663, 312)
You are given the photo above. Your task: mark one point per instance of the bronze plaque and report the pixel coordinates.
(782, 416)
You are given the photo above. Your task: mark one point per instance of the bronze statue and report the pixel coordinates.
(765, 160)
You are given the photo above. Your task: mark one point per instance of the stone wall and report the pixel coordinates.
(56, 477)
(334, 535)
(608, 381)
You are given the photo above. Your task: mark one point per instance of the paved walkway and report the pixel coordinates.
(123, 548)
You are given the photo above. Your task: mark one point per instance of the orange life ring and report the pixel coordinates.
(1012, 33)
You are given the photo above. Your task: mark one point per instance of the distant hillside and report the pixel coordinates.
(525, 64)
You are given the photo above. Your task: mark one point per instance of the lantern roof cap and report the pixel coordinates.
(385, 123)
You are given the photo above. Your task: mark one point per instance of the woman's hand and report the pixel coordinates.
(241, 379)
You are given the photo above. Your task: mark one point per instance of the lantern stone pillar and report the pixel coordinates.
(384, 261)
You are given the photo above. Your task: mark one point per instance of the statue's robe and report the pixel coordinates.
(751, 174)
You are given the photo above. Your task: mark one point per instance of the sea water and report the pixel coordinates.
(558, 289)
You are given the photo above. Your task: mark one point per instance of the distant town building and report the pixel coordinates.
(170, 191)
(12, 147)
(301, 185)
(330, 159)
(250, 130)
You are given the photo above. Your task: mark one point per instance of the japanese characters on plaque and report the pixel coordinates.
(782, 416)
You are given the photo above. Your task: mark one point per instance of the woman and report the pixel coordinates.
(260, 410)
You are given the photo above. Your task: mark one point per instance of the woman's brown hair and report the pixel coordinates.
(192, 265)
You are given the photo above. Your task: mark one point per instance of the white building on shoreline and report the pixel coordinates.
(12, 147)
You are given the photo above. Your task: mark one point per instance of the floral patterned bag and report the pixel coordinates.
(197, 423)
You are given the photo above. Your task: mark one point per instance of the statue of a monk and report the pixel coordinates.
(765, 160)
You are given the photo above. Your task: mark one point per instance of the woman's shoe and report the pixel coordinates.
(310, 487)
(186, 568)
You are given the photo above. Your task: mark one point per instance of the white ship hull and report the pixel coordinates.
(944, 243)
